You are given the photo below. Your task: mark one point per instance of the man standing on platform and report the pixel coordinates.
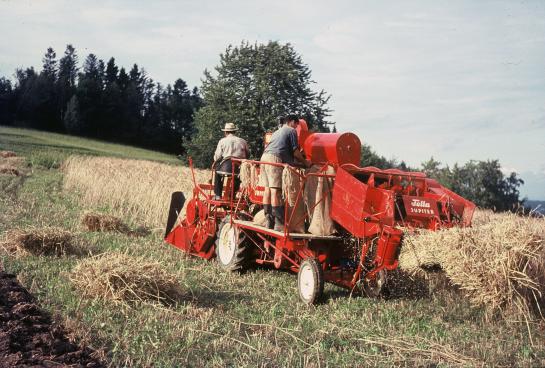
(282, 148)
(230, 146)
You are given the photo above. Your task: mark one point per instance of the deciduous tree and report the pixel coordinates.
(252, 86)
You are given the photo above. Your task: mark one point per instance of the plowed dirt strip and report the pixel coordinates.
(29, 337)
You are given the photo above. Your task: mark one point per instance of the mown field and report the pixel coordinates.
(219, 319)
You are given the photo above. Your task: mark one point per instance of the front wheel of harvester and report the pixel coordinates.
(231, 250)
(310, 281)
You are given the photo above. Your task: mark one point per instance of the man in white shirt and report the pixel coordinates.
(230, 146)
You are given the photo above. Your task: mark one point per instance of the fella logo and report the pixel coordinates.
(415, 202)
(420, 207)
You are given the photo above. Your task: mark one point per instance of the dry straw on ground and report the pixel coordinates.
(48, 241)
(499, 262)
(125, 279)
(131, 188)
(11, 164)
(99, 222)
(94, 221)
(7, 154)
(9, 170)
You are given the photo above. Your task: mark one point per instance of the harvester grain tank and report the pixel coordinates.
(343, 222)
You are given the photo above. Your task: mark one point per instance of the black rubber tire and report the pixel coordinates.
(238, 260)
(317, 282)
(177, 201)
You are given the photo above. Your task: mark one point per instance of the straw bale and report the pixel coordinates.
(318, 192)
(125, 279)
(9, 170)
(48, 241)
(248, 175)
(7, 154)
(498, 263)
(94, 221)
(291, 186)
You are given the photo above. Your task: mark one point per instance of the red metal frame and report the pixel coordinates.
(368, 206)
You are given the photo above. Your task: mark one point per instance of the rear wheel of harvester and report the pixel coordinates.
(310, 281)
(231, 247)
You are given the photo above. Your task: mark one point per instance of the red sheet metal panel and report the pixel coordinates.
(388, 248)
(335, 148)
(420, 207)
(358, 207)
(348, 201)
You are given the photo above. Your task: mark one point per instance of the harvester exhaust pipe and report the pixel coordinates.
(177, 201)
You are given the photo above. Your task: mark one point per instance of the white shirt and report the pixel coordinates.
(231, 146)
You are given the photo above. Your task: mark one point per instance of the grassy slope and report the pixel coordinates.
(253, 319)
(29, 142)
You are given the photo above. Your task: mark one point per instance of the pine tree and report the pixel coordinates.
(45, 95)
(89, 93)
(6, 101)
(66, 83)
(71, 120)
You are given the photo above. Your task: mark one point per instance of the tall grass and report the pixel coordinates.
(135, 189)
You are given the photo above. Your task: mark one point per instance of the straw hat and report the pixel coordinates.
(230, 127)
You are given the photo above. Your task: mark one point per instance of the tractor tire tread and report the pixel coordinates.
(240, 260)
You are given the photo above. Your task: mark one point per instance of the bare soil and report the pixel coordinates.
(28, 335)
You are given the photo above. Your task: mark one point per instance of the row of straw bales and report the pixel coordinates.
(44, 241)
(499, 262)
(125, 279)
(113, 276)
(135, 189)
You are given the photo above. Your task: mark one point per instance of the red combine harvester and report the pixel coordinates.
(365, 206)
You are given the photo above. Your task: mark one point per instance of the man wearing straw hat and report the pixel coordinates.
(230, 146)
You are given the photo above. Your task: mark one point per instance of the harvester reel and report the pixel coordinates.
(231, 250)
(196, 211)
(310, 281)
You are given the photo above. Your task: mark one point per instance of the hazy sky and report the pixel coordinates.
(456, 80)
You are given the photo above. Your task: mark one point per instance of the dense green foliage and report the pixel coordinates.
(482, 182)
(253, 86)
(371, 158)
(101, 101)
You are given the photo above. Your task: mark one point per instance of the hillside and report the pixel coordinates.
(191, 312)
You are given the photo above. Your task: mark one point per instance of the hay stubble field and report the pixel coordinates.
(208, 317)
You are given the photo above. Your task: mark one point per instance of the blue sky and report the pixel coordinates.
(456, 80)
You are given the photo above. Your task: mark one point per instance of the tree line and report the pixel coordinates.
(251, 86)
(482, 182)
(100, 100)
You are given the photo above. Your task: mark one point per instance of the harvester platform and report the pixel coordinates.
(279, 234)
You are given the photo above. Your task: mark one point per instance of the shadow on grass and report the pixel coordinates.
(399, 286)
(212, 299)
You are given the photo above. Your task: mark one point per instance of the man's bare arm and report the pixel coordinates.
(299, 157)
